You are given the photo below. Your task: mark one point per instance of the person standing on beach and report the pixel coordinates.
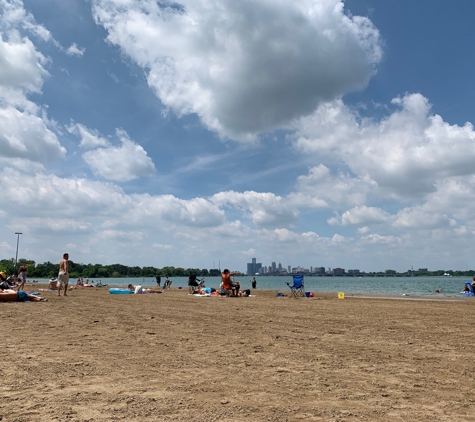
(159, 280)
(63, 275)
(253, 283)
(22, 272)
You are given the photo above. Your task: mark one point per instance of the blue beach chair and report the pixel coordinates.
(297, 289)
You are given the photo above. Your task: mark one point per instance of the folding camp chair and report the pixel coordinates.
(297, 288)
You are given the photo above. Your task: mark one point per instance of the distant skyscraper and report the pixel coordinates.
(274, 267)
(254, 267)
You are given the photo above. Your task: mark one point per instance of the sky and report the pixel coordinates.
(205, 133)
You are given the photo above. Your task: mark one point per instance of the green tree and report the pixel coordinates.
(7, 265)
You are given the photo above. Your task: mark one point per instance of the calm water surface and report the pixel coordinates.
(450, 286)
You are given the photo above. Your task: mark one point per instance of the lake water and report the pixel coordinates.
(450, 286)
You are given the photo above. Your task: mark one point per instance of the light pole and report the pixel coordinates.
(17, 242)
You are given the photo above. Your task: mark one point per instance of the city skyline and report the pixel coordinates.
(275, 268)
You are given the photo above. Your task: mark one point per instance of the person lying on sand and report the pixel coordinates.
(245, 293)
(204, 291)
(21, 296)
(140, 290)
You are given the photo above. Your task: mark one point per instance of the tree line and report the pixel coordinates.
(77, 270)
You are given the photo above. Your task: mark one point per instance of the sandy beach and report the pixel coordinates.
(93, 356)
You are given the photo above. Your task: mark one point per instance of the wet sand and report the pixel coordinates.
(173, 357)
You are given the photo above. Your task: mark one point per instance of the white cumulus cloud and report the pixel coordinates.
(361, 215)
(74, 50)
(404, 154)
(122, 163)
(89, 138)
(320, 189)
(21, 64)
(25, 135)
(25, 132)
(263, 208)
(13, 16)
(244, 67)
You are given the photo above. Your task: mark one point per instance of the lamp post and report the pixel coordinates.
(17, 242)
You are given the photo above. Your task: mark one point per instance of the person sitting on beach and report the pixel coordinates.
(466, 289)
(236, 287)
(193, 282)
(226, 282)
(222, 291)
(53, 284)
(4, 284)
(10, 295)
(11, 281)
(79, 283)
(139, 290)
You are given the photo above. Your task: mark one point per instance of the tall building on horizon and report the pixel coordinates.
(254, 267)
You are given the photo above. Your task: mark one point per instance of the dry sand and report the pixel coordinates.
(173, 357)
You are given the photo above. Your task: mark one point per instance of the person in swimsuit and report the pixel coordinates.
(9, 295)
(63, 275)
(140, 290)
(22, 272)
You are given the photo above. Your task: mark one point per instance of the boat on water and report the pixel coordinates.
(447, 275)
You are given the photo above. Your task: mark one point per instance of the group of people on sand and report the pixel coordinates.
(15, 282)
(9, 294)
(466, 288)
(228, 286)
(166, 284)
(80, 283)
(140, 290)
(12, 289)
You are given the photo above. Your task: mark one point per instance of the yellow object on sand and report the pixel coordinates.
(341, 295)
